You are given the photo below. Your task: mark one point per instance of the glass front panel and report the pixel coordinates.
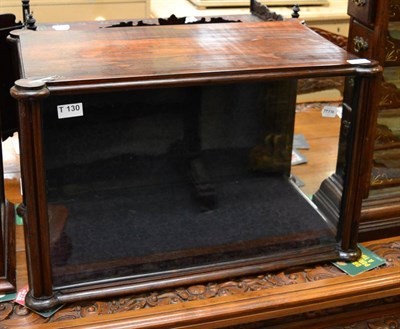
(153, 181)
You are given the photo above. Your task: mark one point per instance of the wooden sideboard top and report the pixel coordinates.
(318, 296)
(160, 55)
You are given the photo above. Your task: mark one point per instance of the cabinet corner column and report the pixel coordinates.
(29, 94)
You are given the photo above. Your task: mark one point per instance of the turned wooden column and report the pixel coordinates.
(29, 94)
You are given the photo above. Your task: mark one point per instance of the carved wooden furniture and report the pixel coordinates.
(8, 125)
(317, 296)
(159, 156)
(374, 33)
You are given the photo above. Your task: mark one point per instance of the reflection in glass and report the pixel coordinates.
(154, 180)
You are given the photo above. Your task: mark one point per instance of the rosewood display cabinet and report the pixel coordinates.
(159, 156)
(374, 33)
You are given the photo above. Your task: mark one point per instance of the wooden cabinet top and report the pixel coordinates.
(170, 55)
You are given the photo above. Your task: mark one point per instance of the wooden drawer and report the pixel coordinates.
(360, 40)
(363, 11)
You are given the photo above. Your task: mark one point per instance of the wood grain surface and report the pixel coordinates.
(175, 52)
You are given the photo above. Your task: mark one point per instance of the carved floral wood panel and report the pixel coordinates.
(387, 322)
(310, 320)
(390, 96)
(15, 316)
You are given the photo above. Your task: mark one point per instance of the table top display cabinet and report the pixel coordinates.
(159, 156)
(374, 34)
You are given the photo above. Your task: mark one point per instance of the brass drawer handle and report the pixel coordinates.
(360, 44)
(360, 3)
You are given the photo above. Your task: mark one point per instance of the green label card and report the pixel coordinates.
(366, 262)
(20, 299)
(18, 218)
(7, 297)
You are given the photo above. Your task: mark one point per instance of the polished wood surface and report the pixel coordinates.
(258, 306)
(151, 56)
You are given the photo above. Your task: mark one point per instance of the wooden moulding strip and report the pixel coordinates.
(121, 84)
(251, 306)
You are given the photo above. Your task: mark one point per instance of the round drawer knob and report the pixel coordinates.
(360, 44)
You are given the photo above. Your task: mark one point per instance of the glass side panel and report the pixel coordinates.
(158, 180)
(386, 170)
(385, 178)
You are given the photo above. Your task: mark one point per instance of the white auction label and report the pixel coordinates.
(70, 110)
(329, 111)
(359, 61)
